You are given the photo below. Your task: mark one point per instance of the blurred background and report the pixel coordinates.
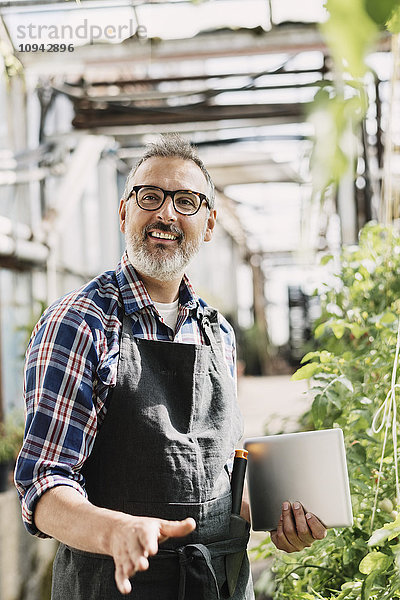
(85, 85)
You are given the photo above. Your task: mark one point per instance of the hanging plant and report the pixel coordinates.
(340, 105)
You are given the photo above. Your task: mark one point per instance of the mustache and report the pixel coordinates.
(165, 228)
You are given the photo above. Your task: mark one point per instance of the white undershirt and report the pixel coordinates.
(168, 312)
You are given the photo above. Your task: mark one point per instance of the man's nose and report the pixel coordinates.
(167, 212)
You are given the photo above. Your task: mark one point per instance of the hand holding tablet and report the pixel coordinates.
(296, 529)
(308, 468)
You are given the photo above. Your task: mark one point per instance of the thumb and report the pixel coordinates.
(176, 528)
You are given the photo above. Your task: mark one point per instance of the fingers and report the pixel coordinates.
(176, 528)
(296, 530)
(123, 583)
(137, 538)
(123, 571)
(300, 532)
(148, 537)
(318, 530)
(129, 558)
(280, 540)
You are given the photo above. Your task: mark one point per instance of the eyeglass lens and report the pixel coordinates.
(150, 198)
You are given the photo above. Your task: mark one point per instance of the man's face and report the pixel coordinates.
(164, 258)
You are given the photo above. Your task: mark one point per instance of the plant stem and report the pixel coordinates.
(311, 566)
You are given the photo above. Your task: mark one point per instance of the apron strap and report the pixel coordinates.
(187, 556)
(210, 325)
(197, 577)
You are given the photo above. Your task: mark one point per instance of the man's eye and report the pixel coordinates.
(186, 201)
(150, 198)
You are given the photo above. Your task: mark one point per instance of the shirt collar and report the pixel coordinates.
(135, 297)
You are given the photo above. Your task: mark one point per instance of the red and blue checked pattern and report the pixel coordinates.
(71, 362)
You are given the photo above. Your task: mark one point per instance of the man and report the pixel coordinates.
(132, 414)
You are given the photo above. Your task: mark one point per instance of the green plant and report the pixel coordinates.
(350, 377)
(11, 435)
(350, 32)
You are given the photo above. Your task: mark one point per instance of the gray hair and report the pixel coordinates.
(167, 146)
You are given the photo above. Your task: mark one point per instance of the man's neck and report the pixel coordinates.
(161, 291)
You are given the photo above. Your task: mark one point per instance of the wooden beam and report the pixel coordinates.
(87, 117)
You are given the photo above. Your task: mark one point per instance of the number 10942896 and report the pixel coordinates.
(46, 48)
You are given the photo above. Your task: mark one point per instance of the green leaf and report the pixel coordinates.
(394, 524)
(375, 561)
(309, 356)
(319, 409)
(305, 372)
(347, 42)
(378, 537)
(380, 11)
(325, 259)
(393, 24)
(388, 532)
(346, 382)
(388, 318)
(367, 586)
(325, 356)
(357, 484)
(357, 453)
(319, 330)
(351, 585)
(344, 594)
(356, 330)
(338, 329)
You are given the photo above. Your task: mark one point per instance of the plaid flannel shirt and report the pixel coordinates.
(71, 362)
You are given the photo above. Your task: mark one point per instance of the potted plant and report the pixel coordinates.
(11, 434)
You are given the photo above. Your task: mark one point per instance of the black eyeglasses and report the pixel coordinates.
(151, 197)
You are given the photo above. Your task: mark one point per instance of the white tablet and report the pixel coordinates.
(309, 467)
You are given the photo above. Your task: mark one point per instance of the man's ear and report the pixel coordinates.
(122, 214)
(211, 220)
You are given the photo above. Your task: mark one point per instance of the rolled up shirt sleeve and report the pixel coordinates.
(61, 412)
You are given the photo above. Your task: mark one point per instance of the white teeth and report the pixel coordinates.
(163, 236)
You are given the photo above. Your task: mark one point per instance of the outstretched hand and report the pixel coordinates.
(134, 539)
(296, 529)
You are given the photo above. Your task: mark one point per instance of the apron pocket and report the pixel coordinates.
(89, 554)
(212, 518)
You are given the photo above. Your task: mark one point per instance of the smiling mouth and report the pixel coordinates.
(161, 235)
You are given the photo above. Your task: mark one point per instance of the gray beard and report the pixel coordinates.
(160, 264)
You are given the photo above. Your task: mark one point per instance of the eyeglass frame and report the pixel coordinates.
(171, 193)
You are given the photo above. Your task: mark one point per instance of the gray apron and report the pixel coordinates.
(170, 428)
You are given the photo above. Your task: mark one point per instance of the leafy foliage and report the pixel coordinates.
(350, 32)
(351, 375)
(11, 434)
(348, 43)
